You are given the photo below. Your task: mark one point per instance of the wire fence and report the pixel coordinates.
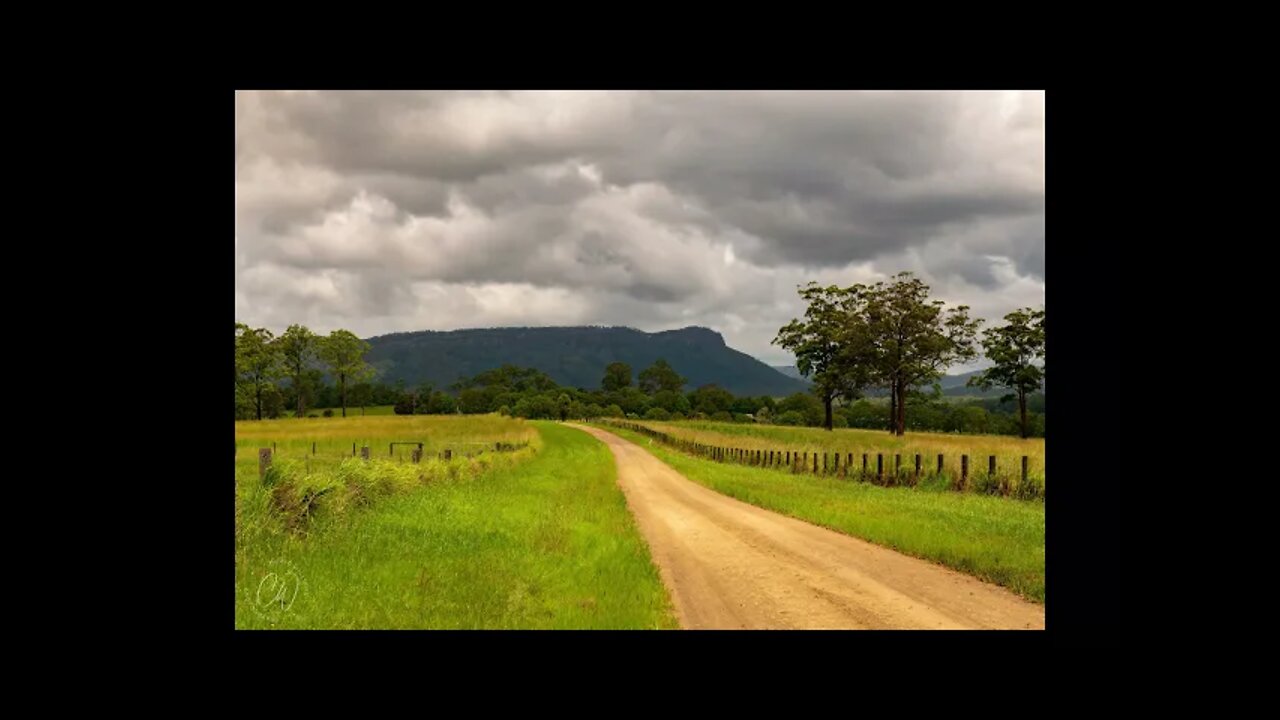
(317, 455)
(984, 475)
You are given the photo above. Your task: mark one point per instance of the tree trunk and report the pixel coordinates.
(893, 405)
(1022, 408)
(342, 380)
(259, 404)
(902, 409)
(827, 402)
(297, 385)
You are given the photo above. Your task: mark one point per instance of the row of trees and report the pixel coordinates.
(300, 355)
(894, 336)
(659, 394)
(656, 393)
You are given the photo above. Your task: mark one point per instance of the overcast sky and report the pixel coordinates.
(394, 211)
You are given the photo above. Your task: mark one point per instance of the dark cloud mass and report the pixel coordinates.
(392, 211)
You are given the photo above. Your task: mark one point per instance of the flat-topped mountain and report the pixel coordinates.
(573, 356)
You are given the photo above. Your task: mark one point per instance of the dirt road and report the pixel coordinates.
(730, 565)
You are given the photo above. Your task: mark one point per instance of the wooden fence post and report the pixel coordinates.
(364, 453)
(939, 464)
(417, 455)
(964, 471)
(353, 449)
(917, 467)
(313, 447)
(1024, 469)
(264, 461)
(864, 467)
(879, 467)
(815, 463)
(448, 454)
(897, 465)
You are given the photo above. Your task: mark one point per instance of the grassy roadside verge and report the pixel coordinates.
(547, 543)
(992, 538)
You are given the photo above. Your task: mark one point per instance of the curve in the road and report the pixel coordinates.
(731, 565)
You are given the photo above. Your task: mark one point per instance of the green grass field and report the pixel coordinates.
(1008, 450)
(538, 538)
(996, 539)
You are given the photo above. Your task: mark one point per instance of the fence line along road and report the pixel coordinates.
(799, 462)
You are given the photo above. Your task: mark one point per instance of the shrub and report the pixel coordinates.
(1030, 490)
(722, 416)
(657, 413)
(314, 415)
(791, 417)
(405, 405)
(984, 484)
(328, 412)
(677, 415)
(906, 473)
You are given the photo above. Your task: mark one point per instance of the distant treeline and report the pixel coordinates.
(657, 393)
(851, 341)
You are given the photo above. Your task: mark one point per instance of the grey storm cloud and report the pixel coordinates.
(393, 211)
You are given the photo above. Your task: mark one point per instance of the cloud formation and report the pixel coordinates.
(396, 211)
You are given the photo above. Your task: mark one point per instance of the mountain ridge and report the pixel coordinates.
(575, 356)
